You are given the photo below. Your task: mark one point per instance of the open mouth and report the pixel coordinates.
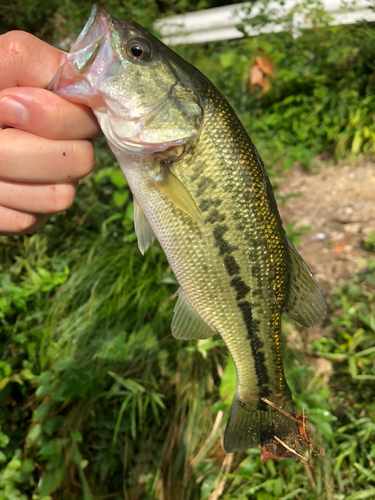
(73, 81)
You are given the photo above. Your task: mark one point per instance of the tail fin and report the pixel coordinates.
(251, 426)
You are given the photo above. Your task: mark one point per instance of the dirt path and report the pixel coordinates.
(338, 203)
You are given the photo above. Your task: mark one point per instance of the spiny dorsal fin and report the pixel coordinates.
(186, 323)
(142, 229)
(177, 193)
(305, 302)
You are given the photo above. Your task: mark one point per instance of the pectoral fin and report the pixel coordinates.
(305, 303)
(142, 229)
(177, 193)
(186, 323)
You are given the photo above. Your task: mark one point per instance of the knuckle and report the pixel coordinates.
(15, 45)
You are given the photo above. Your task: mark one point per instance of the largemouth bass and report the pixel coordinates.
(199, 186)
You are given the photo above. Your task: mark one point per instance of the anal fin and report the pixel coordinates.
(186, 323)
(305, 302)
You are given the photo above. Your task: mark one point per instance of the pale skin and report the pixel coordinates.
(44, 146)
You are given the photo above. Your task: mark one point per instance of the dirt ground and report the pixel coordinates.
(338, 203)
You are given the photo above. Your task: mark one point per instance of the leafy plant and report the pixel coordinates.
(321, 98)
(370, 242)
(97, 400)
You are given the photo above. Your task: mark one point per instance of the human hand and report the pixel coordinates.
(46, 150)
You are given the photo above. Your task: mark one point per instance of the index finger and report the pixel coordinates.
(26, 61)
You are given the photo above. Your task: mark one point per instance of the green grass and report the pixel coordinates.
(98, 401)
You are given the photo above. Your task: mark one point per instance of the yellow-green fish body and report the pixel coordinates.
(200, 187)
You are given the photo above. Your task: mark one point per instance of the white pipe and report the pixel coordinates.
(220, 23)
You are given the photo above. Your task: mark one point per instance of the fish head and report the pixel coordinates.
(140, 90)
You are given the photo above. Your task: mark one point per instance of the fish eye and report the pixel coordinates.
(138, 49)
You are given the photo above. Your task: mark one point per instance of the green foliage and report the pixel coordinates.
(92, 379)
(322, 96)
(341, 414)
(294, 233)
(351, 349)
(60, 22)
(370, 242)
(321, 99)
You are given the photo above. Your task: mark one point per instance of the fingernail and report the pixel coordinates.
(12, 112)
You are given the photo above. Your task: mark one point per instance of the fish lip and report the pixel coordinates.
(98, 8)
(98, 12)
(133, 145)
(93, 34)
(89, 36)
(98, 28)
(149, 148)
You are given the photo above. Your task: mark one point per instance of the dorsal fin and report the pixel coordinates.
(305, 302)
(186, 323)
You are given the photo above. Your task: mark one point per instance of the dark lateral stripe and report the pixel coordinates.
(256, 345)
(219, 231)
(215, 216)
(207, 203)
(242, 289)
(240, 286)
(203, 184)
(231, 265)
(224, 246)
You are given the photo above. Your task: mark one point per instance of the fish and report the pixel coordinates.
(200, 187)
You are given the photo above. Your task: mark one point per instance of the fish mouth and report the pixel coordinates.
(73, 81)
(93, 57)
(95, 28)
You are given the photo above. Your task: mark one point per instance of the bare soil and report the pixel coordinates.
(338, 203)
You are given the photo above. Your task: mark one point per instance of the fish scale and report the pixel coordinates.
(257, 361)
(200, 187)
(240, 183)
